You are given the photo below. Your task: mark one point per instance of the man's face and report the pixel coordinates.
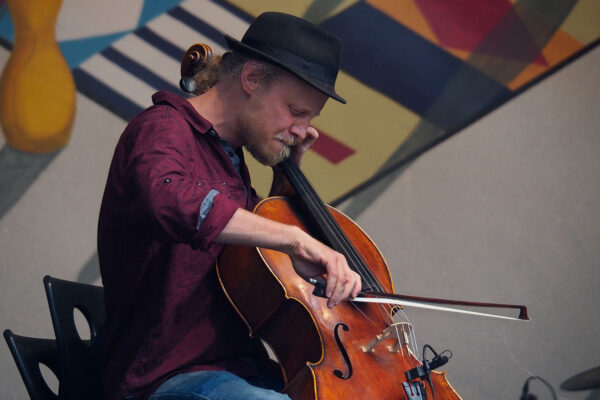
(279, 114)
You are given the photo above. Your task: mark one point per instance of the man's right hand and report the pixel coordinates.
(310, 257)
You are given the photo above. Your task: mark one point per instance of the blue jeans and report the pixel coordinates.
(213, 385)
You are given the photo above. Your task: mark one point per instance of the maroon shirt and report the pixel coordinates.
(165, 310)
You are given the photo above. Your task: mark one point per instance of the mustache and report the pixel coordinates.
(289, 141)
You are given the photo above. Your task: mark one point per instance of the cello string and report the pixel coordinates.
(340, 242)
(362, 312)
(319, 210)
(335, 235)
(401, 344)
(415, 345)
(360, 266)
(412, 336)
(332, 230)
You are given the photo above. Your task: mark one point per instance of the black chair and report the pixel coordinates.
(80, 360)
(28, 354)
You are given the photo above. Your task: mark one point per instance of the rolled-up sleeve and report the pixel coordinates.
(180, 205)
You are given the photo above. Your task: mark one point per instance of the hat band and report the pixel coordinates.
(292, 61)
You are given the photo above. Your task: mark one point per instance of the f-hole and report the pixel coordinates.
(337, 372)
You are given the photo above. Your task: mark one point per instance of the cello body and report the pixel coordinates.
(324, 353)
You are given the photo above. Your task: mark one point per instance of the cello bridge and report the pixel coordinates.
(399, 332)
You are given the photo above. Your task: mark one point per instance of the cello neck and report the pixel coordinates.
(322, 219)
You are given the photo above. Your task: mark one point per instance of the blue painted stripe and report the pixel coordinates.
(160, 43)
(138, 70)
(105, 96)
(7, 28)
(198, 25)
(411, 70)
(153, 8)
(78, 50)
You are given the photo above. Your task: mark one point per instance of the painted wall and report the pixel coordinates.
(505, 211)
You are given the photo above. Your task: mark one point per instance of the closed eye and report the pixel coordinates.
(296, 112)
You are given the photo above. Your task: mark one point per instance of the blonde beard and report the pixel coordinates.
(262, 154)
(258, 146)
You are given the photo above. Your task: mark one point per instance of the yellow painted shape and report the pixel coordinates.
(559, 47)
(583, 23)
(370, 123)
(37, 91)
(294, 7)
(407, 13)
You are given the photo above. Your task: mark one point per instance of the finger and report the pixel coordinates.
(311, 135)
(349, 284)
(341, 282)
(302, 147)
(339, 294)
(331, 285)
(356, 285)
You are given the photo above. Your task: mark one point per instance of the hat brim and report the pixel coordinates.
(323, 87)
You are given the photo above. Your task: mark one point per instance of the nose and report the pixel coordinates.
(299, 129)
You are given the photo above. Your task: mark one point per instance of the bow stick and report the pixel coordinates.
(371, 296)
(415, 301)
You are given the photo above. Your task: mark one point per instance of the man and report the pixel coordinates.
(178, 190)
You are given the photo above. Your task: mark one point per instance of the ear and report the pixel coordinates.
(251, 76)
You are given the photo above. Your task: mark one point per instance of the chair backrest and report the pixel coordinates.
(29, 353)
(80, 360)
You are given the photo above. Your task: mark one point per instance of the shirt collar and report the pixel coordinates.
(185, 108)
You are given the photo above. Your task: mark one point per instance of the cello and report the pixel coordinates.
(355, 348)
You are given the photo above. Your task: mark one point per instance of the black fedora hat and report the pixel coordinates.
(304, 49)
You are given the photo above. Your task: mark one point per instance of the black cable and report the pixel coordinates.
(447, 351)
(425, 347)
(438, 359)
(525, 395)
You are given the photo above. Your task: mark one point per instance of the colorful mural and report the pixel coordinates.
(414, 71)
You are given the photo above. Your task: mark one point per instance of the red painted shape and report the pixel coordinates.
(331, 149)
(511, 39)
(482, 26)
(463, 24)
